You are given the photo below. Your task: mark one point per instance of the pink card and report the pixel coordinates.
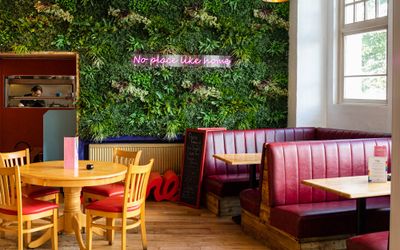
(377, 165)
(71, 153)
(380, 151)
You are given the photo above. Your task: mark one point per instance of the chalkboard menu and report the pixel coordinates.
(192, 169)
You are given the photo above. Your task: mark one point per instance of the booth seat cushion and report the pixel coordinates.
(372, 241)
(250, 200)
(227, 185)
(329, 218)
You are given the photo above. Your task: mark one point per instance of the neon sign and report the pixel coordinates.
(156, 60)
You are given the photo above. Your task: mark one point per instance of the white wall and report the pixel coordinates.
(313, 103)
(313, 73)
(307, 63)
(370, 117)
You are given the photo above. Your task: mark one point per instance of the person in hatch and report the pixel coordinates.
(36, 91)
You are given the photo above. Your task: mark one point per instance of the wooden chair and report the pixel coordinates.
(130, 206)
(100, 192)
(19, 210)
(19, 158)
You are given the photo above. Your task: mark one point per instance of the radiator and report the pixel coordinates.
(166, 155)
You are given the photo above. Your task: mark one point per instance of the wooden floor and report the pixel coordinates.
(171, 227)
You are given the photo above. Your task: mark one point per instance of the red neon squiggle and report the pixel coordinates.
(165, 187)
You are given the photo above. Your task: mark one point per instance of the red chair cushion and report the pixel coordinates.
(112, 204)
(372, 241)
(329, 218)
(31, 206)
(34, 191)
(250, 200)
(106, 190)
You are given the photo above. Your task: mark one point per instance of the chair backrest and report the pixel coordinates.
(10, 189)
(15, 159)
(136, 181)
(126, 157)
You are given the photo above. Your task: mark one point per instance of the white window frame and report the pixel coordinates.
(376, 24)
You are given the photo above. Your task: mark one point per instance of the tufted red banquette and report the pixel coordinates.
(224, 180)
(304, 212)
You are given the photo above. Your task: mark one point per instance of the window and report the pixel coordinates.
(363, 51)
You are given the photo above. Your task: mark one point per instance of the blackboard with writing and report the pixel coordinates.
(192, 169)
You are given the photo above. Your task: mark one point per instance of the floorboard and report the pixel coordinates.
(170, 227)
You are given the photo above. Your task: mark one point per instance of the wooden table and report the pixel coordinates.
(352, 187)
(53, 174)
(251, 159)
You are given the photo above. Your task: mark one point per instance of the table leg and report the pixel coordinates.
(72, 207)
(77, 224)
(253, 176)
(74, 219)
(361, 210)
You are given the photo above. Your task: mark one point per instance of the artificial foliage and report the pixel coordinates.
(117, 98)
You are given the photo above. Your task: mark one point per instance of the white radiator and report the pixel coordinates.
(166, 155)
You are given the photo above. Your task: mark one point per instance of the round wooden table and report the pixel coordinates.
(53, 174)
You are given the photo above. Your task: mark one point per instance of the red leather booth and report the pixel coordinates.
(221, 180)
(293, 212)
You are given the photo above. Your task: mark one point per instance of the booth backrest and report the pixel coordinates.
(291, 162)
(245, 141)
(333, 133)
(252, 141)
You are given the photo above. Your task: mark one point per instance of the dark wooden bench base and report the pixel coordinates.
(277, 239)
(223, 206)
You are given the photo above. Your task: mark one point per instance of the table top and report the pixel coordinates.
(52, 173)
(240, 159)
(351, 187)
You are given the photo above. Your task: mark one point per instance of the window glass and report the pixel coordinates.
(365, 53)
(349, 14)
(382, 8)
(364, 50)
(370, 10)
(359, 12)
(364, 88)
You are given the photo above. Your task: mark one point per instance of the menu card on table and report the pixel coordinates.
(71, 153)
(377, 165)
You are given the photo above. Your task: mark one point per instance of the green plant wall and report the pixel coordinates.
(117, 98)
